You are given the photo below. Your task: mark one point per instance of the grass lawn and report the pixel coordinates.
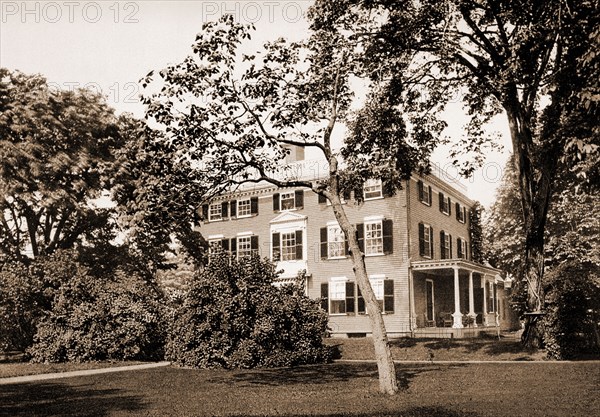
(340, 389)
(476, 349)
(20, 368)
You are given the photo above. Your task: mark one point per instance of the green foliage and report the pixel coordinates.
(573, 310)
(234, 317)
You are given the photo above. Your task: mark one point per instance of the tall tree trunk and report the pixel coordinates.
(385, 364)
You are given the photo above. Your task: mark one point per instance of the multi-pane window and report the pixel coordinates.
(461, 248)
(372, 189)
(335, 242)
(214, 246)
(491, 304)
(244, 246)
(425, 240)
(445, 204)
(445, 245)
(337, 297)
(377, 285)
(461, 213)
(215, 212)
(374, 238)
(424, 193)
(243, 208)
(288, 246)
(287, 201)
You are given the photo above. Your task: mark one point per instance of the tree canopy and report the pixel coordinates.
(56, 156)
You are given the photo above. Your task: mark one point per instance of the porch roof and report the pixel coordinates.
(456, 263)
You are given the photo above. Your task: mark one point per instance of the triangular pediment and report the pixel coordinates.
(288, 216)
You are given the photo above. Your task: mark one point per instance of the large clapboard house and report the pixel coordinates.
(416, 245)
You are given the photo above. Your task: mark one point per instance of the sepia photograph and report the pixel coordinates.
(336, 208)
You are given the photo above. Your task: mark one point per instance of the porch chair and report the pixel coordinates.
(428, 323)
(446, 319)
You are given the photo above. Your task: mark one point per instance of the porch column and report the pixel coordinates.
(472, 314)
(484, 319)
(457, 314)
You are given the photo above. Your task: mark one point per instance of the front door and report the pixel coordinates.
(429, 291)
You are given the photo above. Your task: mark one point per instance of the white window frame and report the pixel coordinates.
(291, 195)
(335, 231)
(337, 286)
(245, 202)
(491, 297)
(447, 246)
(463, 244)
(288, 252)
(378, 222)
(426, 200)
(212, 242)
(463, 214)
(214, 217)
(427, 240)
(373, 186)
(244, 240)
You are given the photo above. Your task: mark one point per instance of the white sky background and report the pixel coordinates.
(110, 45)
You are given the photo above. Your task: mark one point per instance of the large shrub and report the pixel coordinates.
(573, 310)
(234, 317)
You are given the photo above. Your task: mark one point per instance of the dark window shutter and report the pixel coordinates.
(430, 195)
(350, 297)
(464, 216)
(225, 244)
(388, 236)
(233, 208)
(441, 195)
(360, 235)
(420, 186)
(298, 244)
(233, 247)
(196, 218)
(322, 199)
(276, 202)
(254, 244)
(224, 209)
(431, 240)
(457, 207)
(459, 248)
(442, 245)
(323, 243)
(387, 189)
(421, 239)
(388, 296)
(325, 296)
(361, 302)
(205, 212)
(346, 247)
(299, 199)
(450, 248)
(254, 205)
(346, 194)
(276, 246)
(449, 206)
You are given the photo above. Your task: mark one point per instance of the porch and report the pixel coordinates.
(454, 298)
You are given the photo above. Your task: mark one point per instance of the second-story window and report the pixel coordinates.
(374, 238)
(425, 240)
(445, 245)
(461, 248)
(445, 204)
(287, 246)
(243, 208)
(335, 242)
(372, 189)
(287, 201)
(215, 212)
(424, 193)
(461, 213)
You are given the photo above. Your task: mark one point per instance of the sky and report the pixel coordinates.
(110, 45)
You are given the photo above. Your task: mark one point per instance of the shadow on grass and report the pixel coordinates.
(56, 399)
(319, 375)
(411, 412)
